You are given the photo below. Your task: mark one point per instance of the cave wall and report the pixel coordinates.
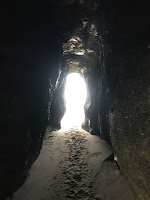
(24, 100)
(57, 104)
(129, 132)
(124, 100)
(31, 47)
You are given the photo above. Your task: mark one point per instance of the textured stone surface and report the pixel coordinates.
(130, 128)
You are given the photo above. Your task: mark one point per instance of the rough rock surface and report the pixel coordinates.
(130, 128)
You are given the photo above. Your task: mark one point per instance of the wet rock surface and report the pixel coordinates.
(73, 165)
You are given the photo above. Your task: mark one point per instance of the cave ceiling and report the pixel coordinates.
(81, 51)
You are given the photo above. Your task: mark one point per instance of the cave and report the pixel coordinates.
(94, 54)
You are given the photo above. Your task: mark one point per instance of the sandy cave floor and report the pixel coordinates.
(73, 164)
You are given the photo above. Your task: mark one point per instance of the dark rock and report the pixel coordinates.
(130, 129)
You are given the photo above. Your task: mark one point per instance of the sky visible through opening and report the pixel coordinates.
(75, 97)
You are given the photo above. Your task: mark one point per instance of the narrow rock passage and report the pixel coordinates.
(74, 165)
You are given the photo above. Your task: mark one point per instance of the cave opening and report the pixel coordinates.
(75, 95)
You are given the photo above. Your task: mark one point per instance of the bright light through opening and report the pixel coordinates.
(75, 97)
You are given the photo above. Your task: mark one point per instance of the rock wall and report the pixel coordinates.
(124, 101)
(31, 47)
(129, 132)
